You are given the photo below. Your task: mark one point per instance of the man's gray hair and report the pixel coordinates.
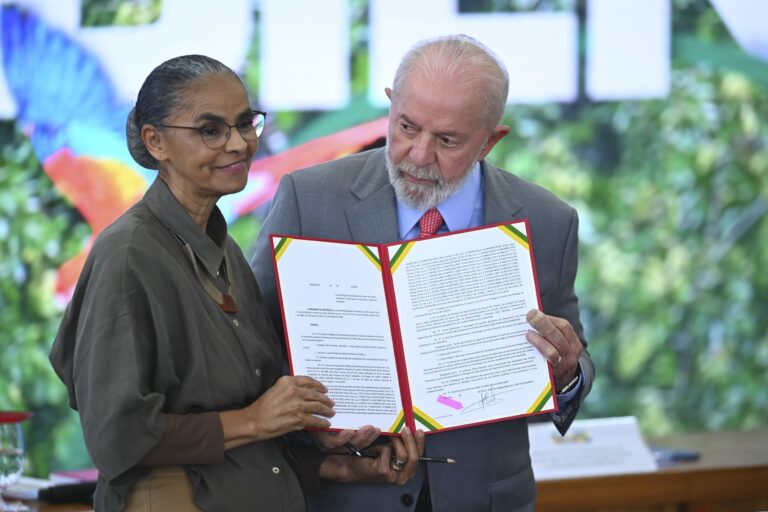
(459, 57)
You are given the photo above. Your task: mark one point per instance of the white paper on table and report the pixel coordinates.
(26, 488)
(594, 447)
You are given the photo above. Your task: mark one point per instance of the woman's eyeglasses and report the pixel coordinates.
(215, 134)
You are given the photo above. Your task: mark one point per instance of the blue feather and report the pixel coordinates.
(56, 83)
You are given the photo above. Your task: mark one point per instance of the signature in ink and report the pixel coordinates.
(488, 398)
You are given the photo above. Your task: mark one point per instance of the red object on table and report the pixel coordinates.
(14, 416)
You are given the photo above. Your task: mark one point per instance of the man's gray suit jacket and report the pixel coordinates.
(351, 199)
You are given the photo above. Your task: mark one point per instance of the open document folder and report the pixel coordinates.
(427, 333)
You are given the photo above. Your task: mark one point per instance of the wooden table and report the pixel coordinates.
(730, 476)
(38, 506)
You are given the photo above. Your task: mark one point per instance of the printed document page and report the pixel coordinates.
(461, 302)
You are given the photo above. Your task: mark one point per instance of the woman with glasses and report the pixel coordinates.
(166, 348)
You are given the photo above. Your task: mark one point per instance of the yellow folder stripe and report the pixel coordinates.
(425, 420)
(516, 236)
(398, 424)
(368, 254)
(542, 399)
(400, 256)
(281, 246)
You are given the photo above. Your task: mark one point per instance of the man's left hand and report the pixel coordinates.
(558, 343)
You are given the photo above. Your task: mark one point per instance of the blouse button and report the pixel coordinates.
(235, 322)
(276, 470)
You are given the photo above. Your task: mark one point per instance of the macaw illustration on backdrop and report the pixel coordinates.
(67, 106)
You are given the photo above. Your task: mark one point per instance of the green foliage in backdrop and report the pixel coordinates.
(672, 195)
(674, 239)
(39, 231)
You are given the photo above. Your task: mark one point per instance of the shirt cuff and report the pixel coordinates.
(568, 396)
(188, 439)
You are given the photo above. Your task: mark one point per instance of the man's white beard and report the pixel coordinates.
(418, 195)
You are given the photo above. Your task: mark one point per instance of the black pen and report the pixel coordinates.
(374, 455)
(352, 450)
(444, 460)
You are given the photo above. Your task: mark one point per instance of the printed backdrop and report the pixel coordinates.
(649, 117)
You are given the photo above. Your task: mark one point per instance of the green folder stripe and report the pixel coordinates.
(516, 235)
(542, 399)
(399, 256)
(425, 420)
(398, 253)
(397, 426)
(371, 256)
(281, 246)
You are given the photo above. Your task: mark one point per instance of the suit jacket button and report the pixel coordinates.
(407, 500)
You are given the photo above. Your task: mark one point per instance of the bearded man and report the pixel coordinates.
(447, 100)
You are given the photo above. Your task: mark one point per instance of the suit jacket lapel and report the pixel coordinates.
(499, 199)
(374, 218)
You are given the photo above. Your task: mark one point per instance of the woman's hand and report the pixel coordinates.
(359, 439)
(397, 462)
(290, 405)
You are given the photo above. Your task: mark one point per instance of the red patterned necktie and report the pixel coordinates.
(429, 223)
